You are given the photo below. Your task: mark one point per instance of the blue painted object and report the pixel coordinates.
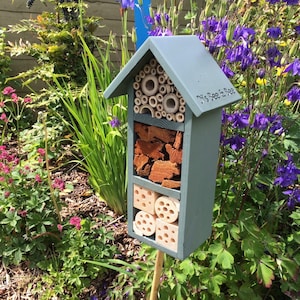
(140, 20)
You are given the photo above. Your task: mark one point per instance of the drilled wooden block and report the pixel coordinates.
(167, 209)
(144, 199)
(166, 234)
(144, 223)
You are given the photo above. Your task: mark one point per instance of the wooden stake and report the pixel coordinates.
(157, 273)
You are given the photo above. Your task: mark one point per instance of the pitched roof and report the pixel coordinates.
(189, 65)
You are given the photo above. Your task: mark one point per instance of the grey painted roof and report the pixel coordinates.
(189, 65)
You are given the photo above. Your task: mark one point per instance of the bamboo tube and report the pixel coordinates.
(136, 86)
(136, 109)
(169, 81)
(138, 93)
(147, 109)
(162, 89)
(137, 78)
(159, 107)
(170, 103)
(153, 101)
(149, 85)
(181, 108)
(153, 72)
(161, 79)
(182, 101)
(170, 117)
(159, 69)
(158, 115)
(144, 99)
(159, 97)
(179, 117)
(163, 113)
(142, 74)
(147, 69)
(153, 62)
(137, 101)
(177, 93)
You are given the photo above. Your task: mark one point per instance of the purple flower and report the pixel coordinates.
(274, 32)
(261, 73)
(294, 67)
(244, 33)
(236, 142)
(297, 29)
(239, 120)
(127, 4)
(115, 122)
(261, 122)
(291, 2)
(242, 54)
(293, 94)
(227, 71)
(293, 197)
(287, 173)
(276, 124)
(274, 56)
(159, 31)
(273, 1)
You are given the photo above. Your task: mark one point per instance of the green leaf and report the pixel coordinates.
(225, 259)
(187, 267)
(265, 274)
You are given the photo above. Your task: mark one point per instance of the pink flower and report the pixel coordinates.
(27, 100)
(4, 118)
(2, 104)
(59, 227)
(8, 90)
(2, 179)
(41, 151)
(38, 178)
(75, 221)
(14, 97)
(22, 213)
(58, 184)
(6, 194)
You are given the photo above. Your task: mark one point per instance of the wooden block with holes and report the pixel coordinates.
(144, 199)
(144, 223)
(166, 234)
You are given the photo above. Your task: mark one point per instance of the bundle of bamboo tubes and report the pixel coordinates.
(155, 94)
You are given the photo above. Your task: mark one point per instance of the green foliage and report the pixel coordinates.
(59, 50)
(4, 59)
(100, 129)
(69, 270)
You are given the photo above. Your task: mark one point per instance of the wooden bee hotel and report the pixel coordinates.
(176, 92)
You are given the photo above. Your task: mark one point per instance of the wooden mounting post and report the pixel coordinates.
(157, 273)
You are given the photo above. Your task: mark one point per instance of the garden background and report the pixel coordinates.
(71, 249)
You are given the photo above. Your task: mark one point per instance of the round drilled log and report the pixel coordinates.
(147, 109)
(170, 103)
(149, 85)
(167, 209)
(145, 223)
